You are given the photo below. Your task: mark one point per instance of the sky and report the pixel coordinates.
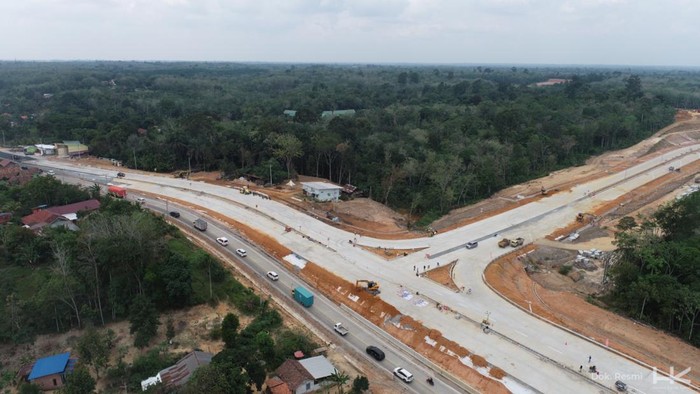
(593, 32)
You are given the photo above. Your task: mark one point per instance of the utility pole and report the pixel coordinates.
(135, 166)
(269, 164)
(189, 166)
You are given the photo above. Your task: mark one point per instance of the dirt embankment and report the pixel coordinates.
(644, 343)
(443, 352)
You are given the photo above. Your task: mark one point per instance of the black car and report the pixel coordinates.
(375, 352)
(121, 175)
(175, 214)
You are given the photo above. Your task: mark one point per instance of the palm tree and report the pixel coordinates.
(339, 380)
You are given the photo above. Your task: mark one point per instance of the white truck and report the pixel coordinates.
(338, 327)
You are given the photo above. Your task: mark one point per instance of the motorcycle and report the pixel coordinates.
(430, 381)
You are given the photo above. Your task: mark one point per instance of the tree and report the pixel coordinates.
(94, 348)
(229, 330)
(359, 385)
(79, 382)
(633, 87)
(143, 317)
(30, 388)
(287, 147)
(265, 345)
(339, 379)
(63, 281)
(169, 329)
(218, 378)
(626, 223)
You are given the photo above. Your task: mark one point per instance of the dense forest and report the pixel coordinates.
(124, 263)
(420, 138)
(657, 277)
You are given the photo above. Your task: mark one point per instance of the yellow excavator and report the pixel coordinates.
(369, 286)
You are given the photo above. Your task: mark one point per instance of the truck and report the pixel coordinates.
(116, 191)
(303, 296)
(504, 242)
(517, 242)
(200, 225)
(338, 327)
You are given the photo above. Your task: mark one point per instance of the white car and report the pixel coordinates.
(272, 275)
(51, 172)
(241, 252)
(141, 200)
(223, 241)
(403, 374)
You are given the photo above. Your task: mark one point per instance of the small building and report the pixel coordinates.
(303, 376)
(177, 375)
(290, 112)
(5, 217)
(49, 373)
(46, 149)
(275, 385)
(552, 82)
(71, 211)
(71, 149)
(321, 191)
(337, 112)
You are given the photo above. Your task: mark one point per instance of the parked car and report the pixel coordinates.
(120, 175)
(175, 214)
(223, 241)
(272, 275)
(472, 244)
(141, 200)
(51, 172)
(241, 252)
(375, 352)
(403, 374)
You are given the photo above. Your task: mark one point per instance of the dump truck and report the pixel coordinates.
(338, 327)
(303, 296)
(200, 225)
(503, 243)
(369, 286)
(517, 242)
(116, 191)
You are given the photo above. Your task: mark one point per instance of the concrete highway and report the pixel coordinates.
(545, 357)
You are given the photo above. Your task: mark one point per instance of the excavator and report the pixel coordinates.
(583, 217)
(369, 286)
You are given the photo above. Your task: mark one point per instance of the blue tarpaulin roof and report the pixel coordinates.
(49, 365)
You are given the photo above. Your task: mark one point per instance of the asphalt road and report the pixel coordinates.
(323, 311)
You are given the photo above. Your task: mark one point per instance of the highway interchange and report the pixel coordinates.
(537, 356)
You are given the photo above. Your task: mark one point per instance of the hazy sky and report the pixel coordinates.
(626, 32)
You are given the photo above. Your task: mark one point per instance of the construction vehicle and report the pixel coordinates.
(582, 217)
(503, 243)
(514, 243)
(116, 191)
(245, 190)
(369, 286)
(543, 191)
